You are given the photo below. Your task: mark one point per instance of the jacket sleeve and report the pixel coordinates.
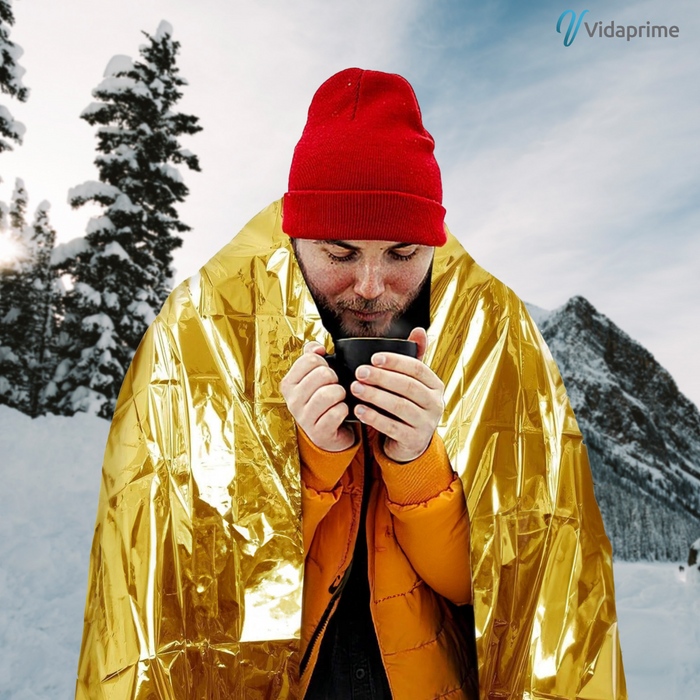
(431, 522)
(320, 481)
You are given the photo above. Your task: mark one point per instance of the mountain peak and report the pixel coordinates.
(642, 433)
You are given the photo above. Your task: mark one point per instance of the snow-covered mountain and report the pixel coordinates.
(642, 434)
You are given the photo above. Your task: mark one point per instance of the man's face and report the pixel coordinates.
(364, 284)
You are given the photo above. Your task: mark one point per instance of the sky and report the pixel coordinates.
(566, 169)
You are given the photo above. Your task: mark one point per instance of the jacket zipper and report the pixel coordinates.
(337, 589)
(368, 456)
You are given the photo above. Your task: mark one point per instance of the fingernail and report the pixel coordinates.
(360, 410)
(363, 372)
(358, 388)
(378, 359)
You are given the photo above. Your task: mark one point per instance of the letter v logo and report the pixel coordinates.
(571, 24)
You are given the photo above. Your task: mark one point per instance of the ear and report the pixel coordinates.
(419, 336)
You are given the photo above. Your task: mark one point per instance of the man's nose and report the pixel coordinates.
(369, 281)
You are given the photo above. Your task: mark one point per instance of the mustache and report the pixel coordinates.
(366, 308)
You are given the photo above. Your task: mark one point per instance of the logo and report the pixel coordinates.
(571, 24)
(621, 31)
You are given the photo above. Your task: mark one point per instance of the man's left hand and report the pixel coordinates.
(407, 388)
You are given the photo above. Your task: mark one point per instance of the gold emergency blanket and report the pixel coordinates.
(196, 567)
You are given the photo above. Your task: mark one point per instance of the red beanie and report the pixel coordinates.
(364, 167)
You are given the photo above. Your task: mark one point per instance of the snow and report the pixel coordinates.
(113, 131)
(20, 190)
(51, 468)
(92, 189)
(164, 29)
(15, 72)
(539, 315)
(123, 203)
(113, 85)
(87, 400)
(113, 248)
(26, 235)
(45, 536)
(92, 108)
(12, 315)
(18, 127)
(157, 86)
(143, 310)
(122, 153)
(105, 342)
(42, 208)
(6, 355)
(111, 300)
(62, 370)
(99, 223)
(89, 293)
(118, 64)
(66, 251)
(659, 615)
(170, 172)
(98, 322)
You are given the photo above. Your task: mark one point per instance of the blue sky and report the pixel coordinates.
(566, 170)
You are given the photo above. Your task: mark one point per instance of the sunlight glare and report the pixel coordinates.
(10, 250)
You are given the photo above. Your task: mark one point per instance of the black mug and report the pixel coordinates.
(350, 353)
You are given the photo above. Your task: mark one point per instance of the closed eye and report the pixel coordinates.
(353, 254)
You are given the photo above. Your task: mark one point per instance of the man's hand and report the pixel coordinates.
(419, 403)
(316, 400)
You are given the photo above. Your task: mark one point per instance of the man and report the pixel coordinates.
(364, 161)
(346, 661)
(221, 519)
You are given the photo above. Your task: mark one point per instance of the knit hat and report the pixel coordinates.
(364, 167)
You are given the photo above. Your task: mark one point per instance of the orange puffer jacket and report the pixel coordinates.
(417, 531)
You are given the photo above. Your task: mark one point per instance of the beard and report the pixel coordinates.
(415, 311)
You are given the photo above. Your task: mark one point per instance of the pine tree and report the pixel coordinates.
(18, 209)
(124, 273)
(15, 273)
(42, 318)
(10, 251)
(4, 216)
(10, 78)
(27, 289)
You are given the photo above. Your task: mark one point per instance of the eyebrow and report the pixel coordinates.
(349, 246)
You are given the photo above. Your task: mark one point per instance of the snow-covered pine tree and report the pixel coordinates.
(10, 78)
(18, 208)
(43, 294)
(17, 277)
(7, 247)
(161, 146)
(10, 252)
(4, 220)
(123, 274)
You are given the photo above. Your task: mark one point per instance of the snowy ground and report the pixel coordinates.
(50, 479)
